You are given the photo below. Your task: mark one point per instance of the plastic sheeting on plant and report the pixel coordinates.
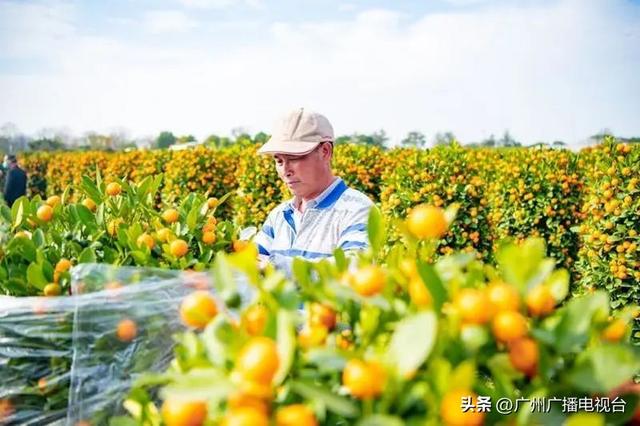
(62, 359)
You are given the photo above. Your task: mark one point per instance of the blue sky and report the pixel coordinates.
(544, 70)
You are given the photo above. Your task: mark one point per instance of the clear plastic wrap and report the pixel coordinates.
(36, 350)
(91, 346)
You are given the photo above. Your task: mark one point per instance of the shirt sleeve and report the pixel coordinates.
(264, 238)
(353, 235)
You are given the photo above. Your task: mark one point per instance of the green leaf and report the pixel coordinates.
(36, 277)
(585, 419)
(223, 276)
(412, 341)
(601, 369)
(432, 280)
(86, 217)
(327, 359)
(376, 230)
(381, 420)
(521, 265)
(25, 247)
(140, 257)
(198, 384)
(572, 333)
(558, 283)
(5, 212)
(464, 375)
(91, 189)
(122, 421)
(286, 341)
(214, 345)
(301, 269)
(341, 260)
(335, 403)
(38, 238)
(87, 256)
(18, 211)
(192, 218)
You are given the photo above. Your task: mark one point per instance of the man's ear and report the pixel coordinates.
(327, 150)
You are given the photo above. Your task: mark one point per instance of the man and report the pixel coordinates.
(324, 213)
(15, 185)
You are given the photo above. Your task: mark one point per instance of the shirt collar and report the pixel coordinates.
(313, 203)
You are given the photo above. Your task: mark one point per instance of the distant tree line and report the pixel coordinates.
(13, 141)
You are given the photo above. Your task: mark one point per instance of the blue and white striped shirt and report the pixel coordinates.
(336, 218)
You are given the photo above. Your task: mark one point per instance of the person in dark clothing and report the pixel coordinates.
(15, 184)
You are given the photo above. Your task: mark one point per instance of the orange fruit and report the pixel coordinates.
(212, 202)
(363, 380)
(52, 289)
(113, 285)
(255, 319)
(45, 213)
(615, 331)
(245, 416)
(509, 325)
(208, 227)
(427, 222)
(164, 234)
(53, 201)
(452, 412)
(42, 384)
(90, 204)
(239, 400)
(408, 267)
(6, 409)
(113, 225)
(209, 238)
(63, 265)
(524, 355)
(312, 335)
(258, 360)
(473, 305)
(368, 280)
(178, 247)
(114, 189)
(170, 215)
(146, 240)
(197, 309)
(176, 412)
(419, 293)
(239, 245)
(320, 314)
(540, 301)
(295, 415)
(344, 340)
(126, 330)
(503, 297)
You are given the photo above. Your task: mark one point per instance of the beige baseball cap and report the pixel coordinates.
(298, 133)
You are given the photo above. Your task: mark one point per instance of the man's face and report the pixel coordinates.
(301, 172)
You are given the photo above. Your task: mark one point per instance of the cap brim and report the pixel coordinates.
(287, 147)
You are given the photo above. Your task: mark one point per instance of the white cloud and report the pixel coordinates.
(560, 71)
(163, 21)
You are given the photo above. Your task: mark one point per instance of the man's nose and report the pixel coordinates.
(288, 170)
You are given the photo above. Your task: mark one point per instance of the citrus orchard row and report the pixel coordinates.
(582, 204)
(393, 339)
